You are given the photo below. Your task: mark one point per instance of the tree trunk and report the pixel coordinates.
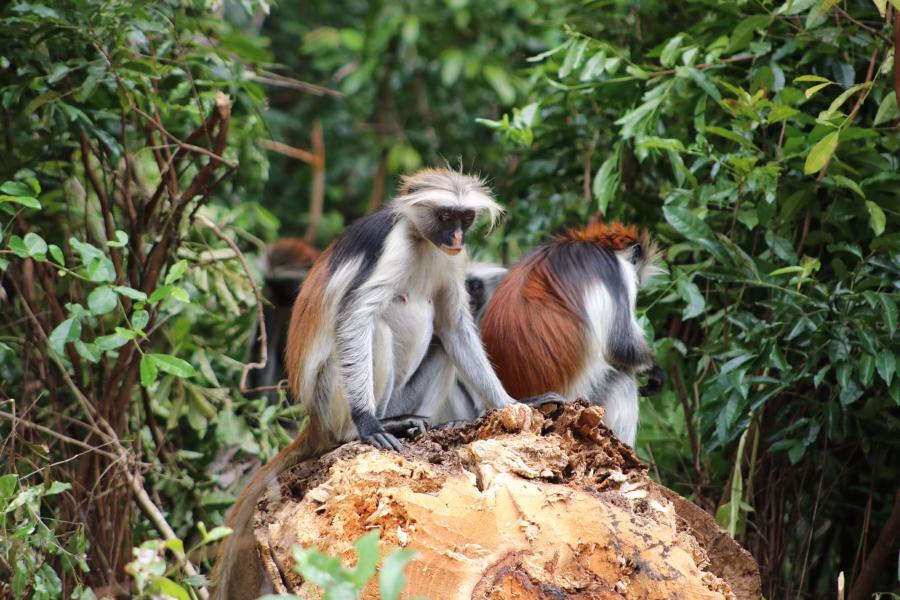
(521, 504)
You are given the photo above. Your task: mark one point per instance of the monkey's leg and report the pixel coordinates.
(548, 398)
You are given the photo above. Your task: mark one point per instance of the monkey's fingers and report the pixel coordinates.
(549, 397)
(384, 441)
(406, 425)
(655, 380)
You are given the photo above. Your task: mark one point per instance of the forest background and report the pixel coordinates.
(148, 146)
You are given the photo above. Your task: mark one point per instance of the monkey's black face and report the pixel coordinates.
(475, 287)
(447, 229)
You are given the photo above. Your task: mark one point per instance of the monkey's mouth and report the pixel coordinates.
(451, 250)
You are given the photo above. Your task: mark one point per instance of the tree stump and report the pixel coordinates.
(520, 504)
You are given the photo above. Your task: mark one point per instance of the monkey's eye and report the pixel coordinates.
(444, 216)
(468, 217)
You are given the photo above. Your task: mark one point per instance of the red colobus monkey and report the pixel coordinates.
(285, 266)
(564, 320)
(360, 328)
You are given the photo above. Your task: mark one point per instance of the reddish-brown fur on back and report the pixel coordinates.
(613, 236)
(532, 334)
(292, 253)
(306, 319)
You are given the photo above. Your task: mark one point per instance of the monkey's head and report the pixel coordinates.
(443, 205)
(482, 280)
(636, 248)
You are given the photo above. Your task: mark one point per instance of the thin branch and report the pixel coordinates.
(274, 79)
(56, 434)
(702, 66)
(263, 336)
(184, 145)
(302, 155)
(317, 190)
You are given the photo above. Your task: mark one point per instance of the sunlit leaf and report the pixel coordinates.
(821, 153)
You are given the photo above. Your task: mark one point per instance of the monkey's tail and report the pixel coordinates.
(238, 573)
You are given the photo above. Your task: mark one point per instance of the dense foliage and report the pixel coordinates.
(757, 140)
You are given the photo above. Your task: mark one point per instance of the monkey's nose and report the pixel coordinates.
(456, 239)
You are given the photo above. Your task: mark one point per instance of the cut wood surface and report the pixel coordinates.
(520, 504)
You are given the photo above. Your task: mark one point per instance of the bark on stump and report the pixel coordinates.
(521, 504)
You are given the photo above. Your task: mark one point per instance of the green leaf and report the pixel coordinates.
(148, 371)
(573, 58)
(368, 554)
(687, 223)
(8, 485)
(690, 293)
(120, 241)
(876, 217)
(176, 272)
(132, 293)
(886, 363)
(787, 270)
(839, 101)
(729, 135)
(391, 578)
(35, 246)
(26, 201)
(669, 53)
(88, 351)
(17, 245)
(705, 83)
(172, 365)
(887, 110)
(101, 270)
(606, 180)
(451, 66)
(57, 487)
(139, 319)
(67, 331)
(114, 340)
(810, 92)
(169, 588)
(846, 182)
(890, 312)
(16, 188)
(743, 32)
(866, 367)
(102, 300)
(499, 79)
(216, 534)
(821, 153)
(812, 79)
(57, 254)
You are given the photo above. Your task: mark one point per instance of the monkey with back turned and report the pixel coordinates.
(564, 320)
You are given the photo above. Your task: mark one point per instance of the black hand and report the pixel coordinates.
(655, 380)
(548, 398)
(383, 441)
(406, 425)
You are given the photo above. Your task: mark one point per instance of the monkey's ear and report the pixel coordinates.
(637, 253)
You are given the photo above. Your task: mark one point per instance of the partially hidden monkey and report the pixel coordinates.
(285, 265)
(360, 329)
(564, 320)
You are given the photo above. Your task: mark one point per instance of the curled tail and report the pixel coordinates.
(238, 572)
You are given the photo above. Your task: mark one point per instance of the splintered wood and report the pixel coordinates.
(521, 504)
